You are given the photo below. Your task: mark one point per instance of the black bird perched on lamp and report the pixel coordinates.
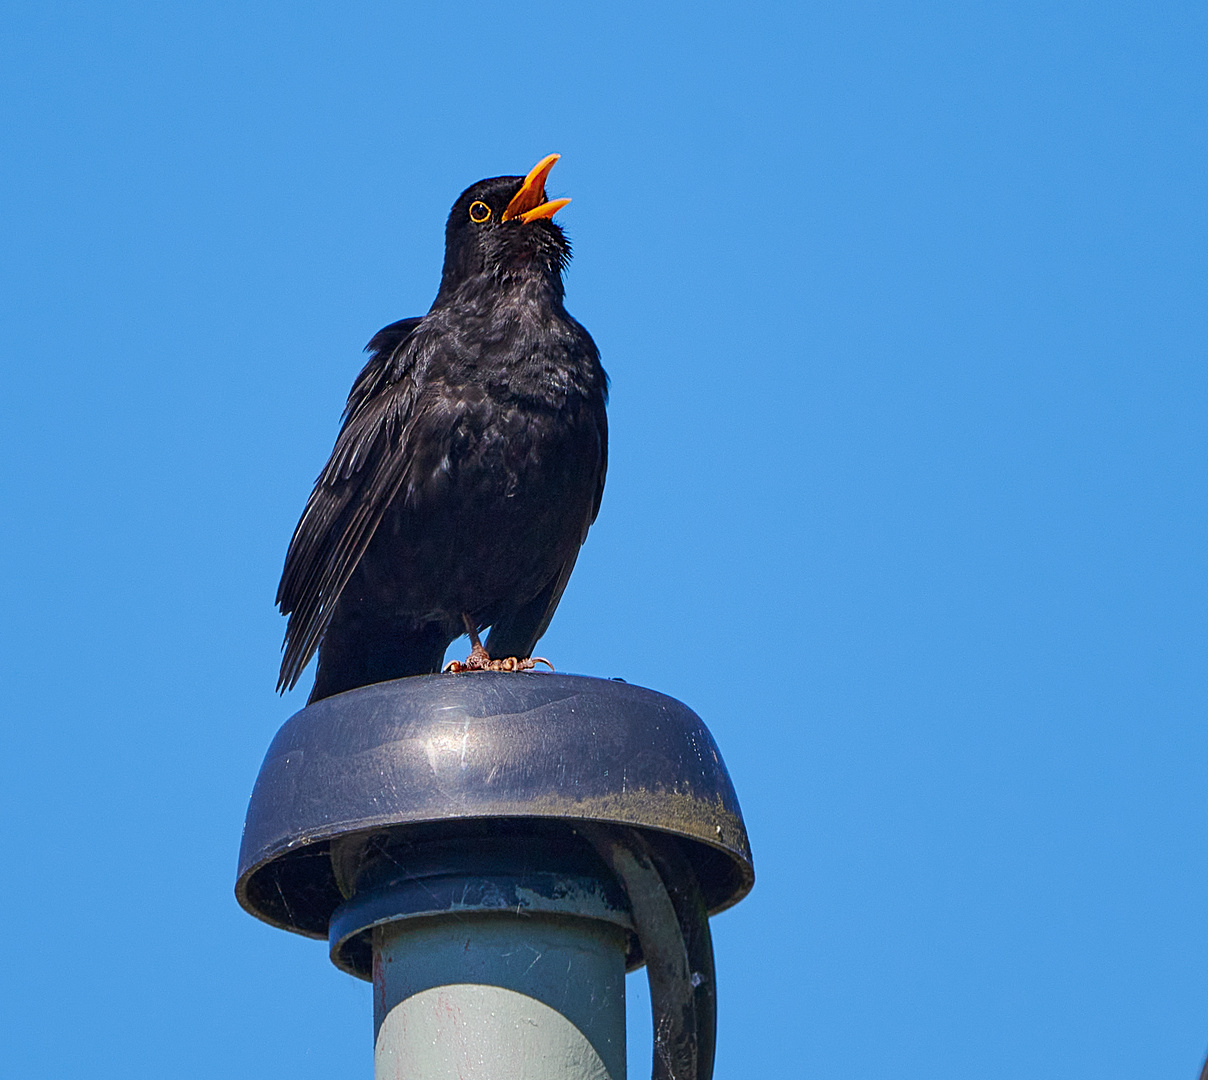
(468, 469)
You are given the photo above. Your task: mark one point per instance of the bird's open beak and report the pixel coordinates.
(529, 203)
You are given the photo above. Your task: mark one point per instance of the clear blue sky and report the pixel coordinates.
(903, 306)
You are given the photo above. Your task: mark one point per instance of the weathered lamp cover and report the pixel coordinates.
(494, 850)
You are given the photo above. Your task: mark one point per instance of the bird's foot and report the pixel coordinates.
(479, 660)
(519, 663)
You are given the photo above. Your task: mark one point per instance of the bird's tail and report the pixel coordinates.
(373, 654)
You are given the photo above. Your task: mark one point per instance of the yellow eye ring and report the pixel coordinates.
(479, 212)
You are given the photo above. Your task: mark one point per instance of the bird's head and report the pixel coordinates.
(503, 228)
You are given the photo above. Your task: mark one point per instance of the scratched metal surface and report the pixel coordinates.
(482, 998)
(443, 748)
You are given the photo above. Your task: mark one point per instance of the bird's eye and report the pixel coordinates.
(479, 212)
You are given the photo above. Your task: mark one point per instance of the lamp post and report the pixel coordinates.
(494, 851)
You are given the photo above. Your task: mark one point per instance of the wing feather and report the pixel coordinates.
(350, 497)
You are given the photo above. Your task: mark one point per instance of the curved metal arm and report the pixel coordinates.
(673, 928)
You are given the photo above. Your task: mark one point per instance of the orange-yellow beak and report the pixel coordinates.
(529, 203)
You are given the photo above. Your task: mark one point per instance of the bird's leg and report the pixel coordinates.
(479, 660)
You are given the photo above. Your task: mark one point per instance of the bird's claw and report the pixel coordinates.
(519, 663)
(478, 660)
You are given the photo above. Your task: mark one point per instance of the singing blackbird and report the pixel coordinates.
(468, 469)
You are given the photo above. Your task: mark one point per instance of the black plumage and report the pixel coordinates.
(469, 466)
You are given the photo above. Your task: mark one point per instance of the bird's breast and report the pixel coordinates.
(500, 504)
(501, 447)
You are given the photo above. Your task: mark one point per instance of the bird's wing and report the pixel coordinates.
(602, 428)
(350, 496)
